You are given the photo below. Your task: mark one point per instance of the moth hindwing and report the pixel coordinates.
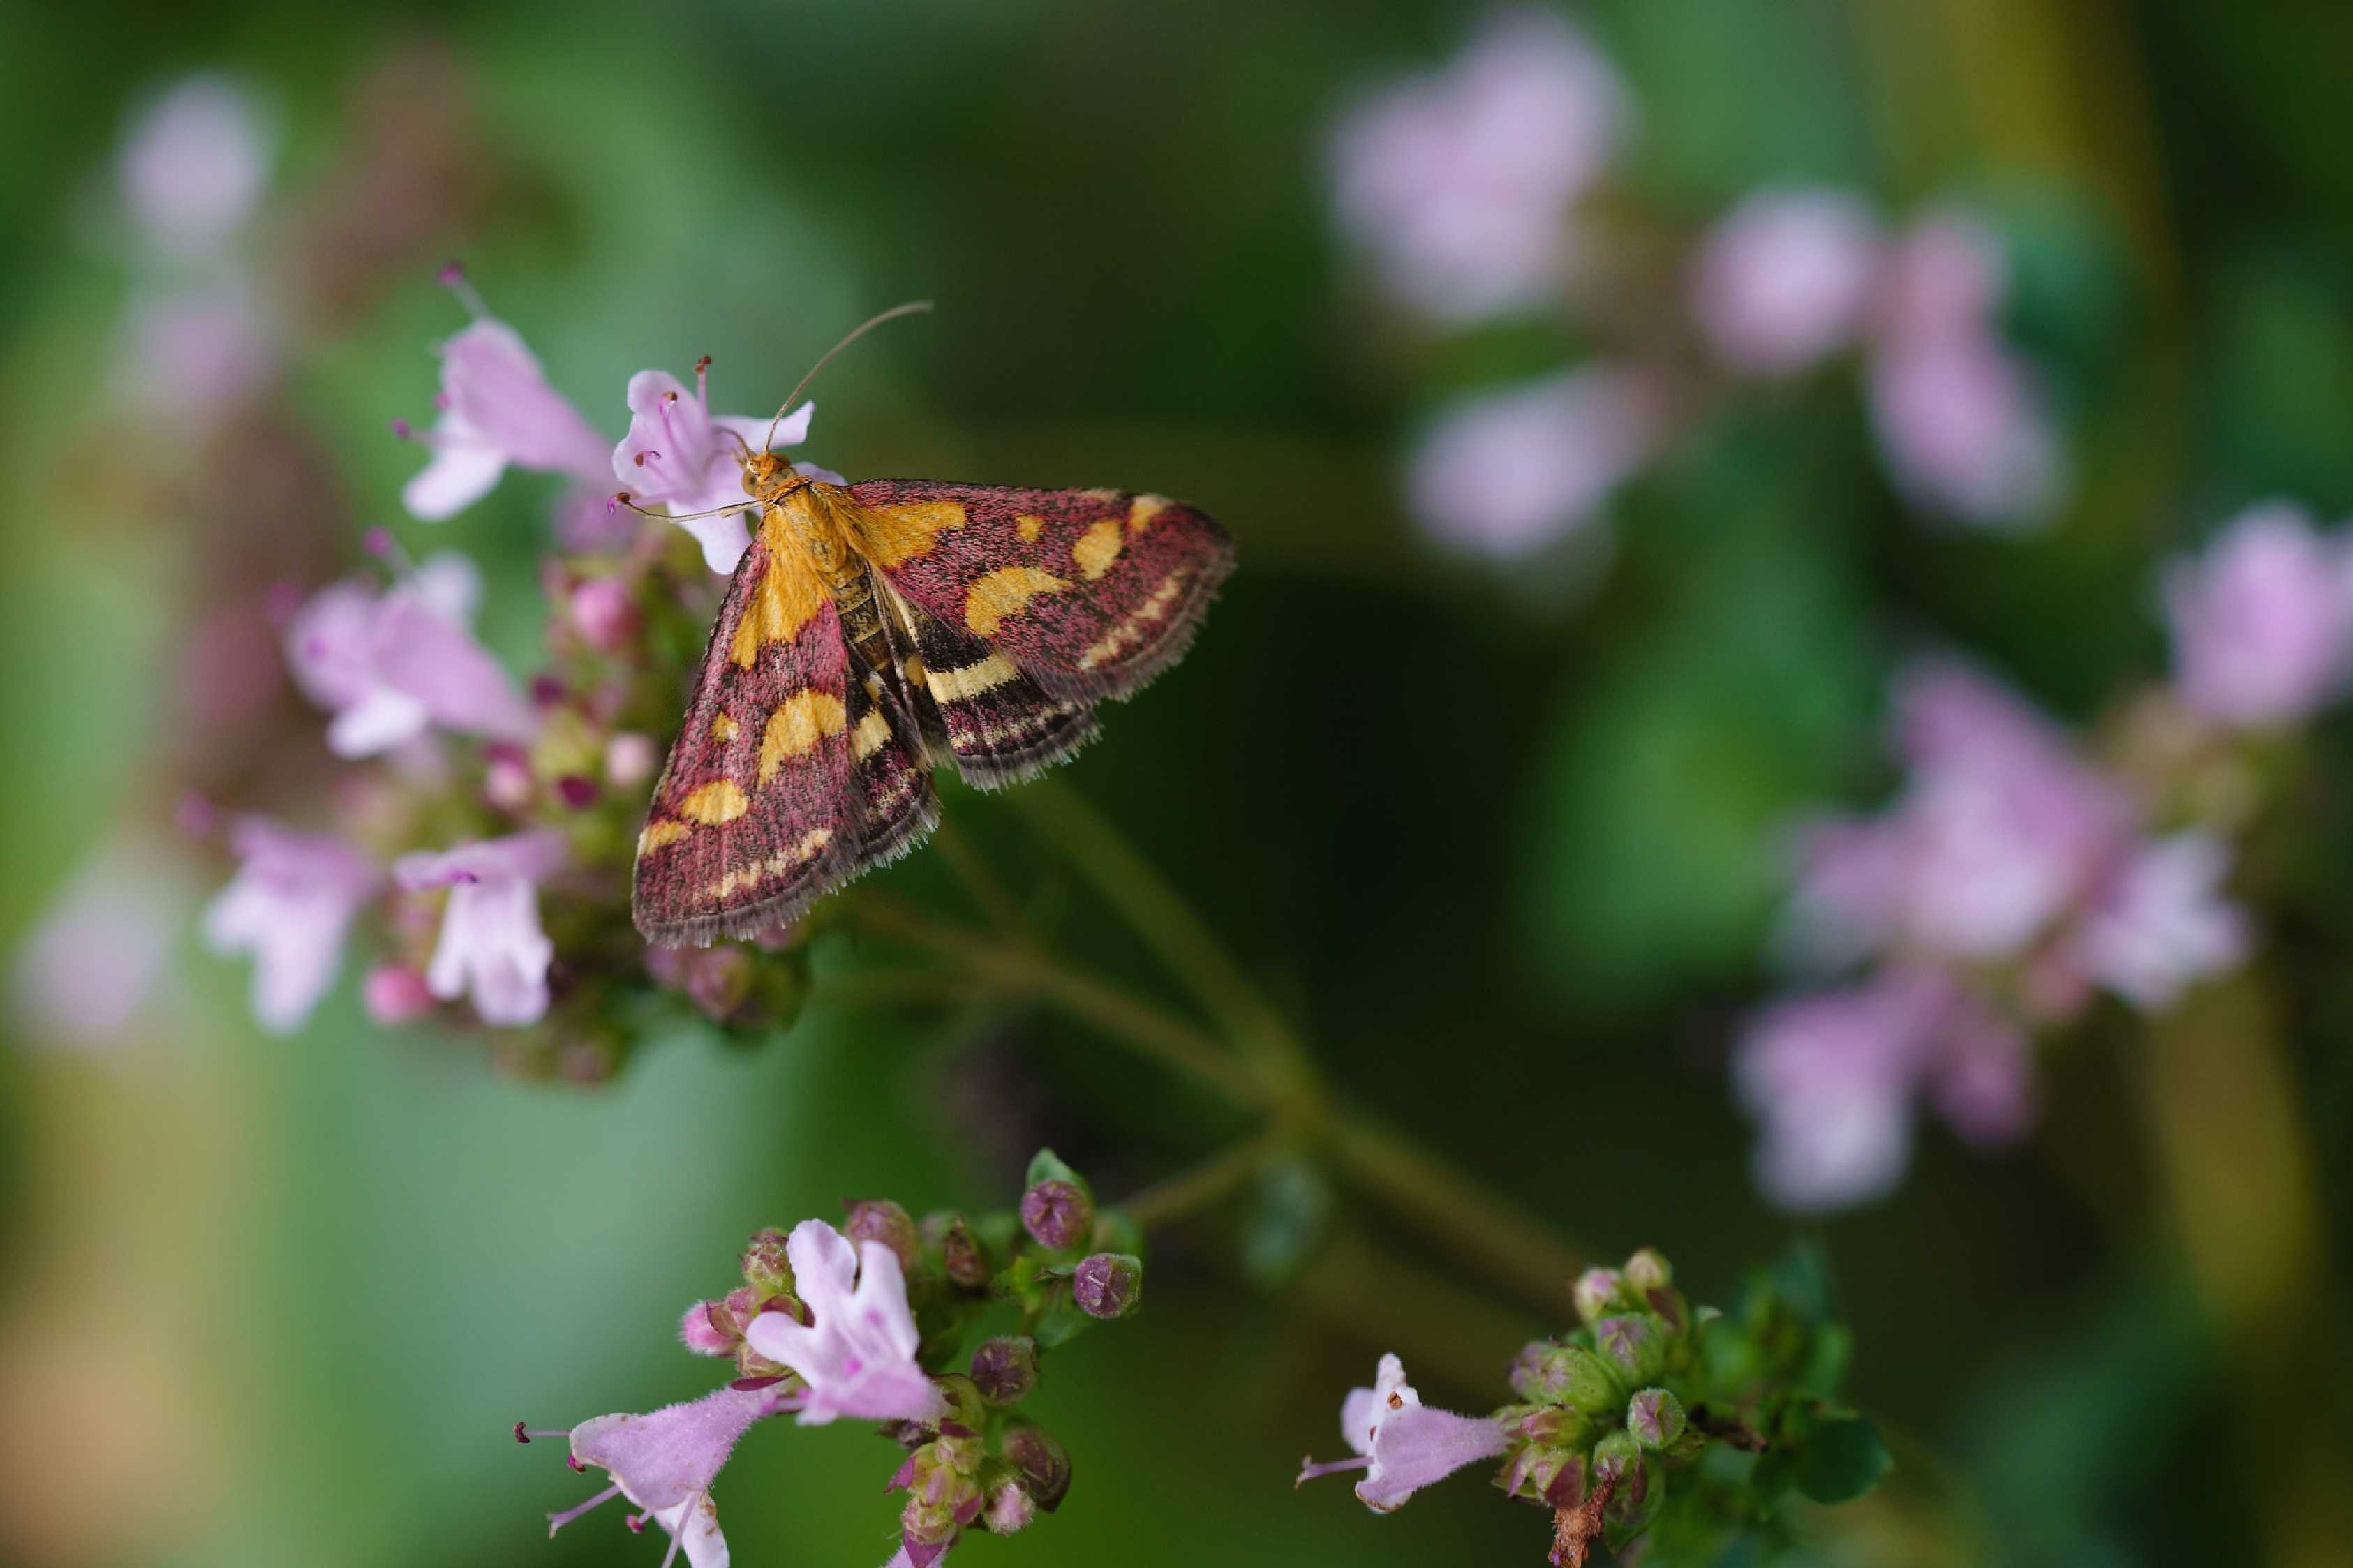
(873, 630)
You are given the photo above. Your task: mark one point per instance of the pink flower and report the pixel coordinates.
(2165, 924)
(1402, 1443)
(859, 1357)
(390, 666)
(194, 163)
(665, 1463)
(100, 948)
(679, 454)
(491, 945)
(1967, 432)
(188, 357)
(2000, 831)
(1458, 183)
(1833, 1074)
(1784, 280)
(2261, 622)
(1501, 474)
(497, 408)
(289, 904)
(1962, 422)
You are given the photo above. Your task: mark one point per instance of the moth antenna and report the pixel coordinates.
(911, 307)
(623, 497)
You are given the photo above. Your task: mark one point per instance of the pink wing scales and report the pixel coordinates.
(1091, 593)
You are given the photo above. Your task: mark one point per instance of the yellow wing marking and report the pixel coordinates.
(775, 866)
(799, 723)
(955, 685)
(1144, 508)
(1001, 594)
(1097, 548)
(714, 802)
(1131, 631)
(873, 732)
(722, 728)
(658, 834)
(1029, 525)
(892, 535)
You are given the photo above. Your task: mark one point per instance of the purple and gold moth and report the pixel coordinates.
(877, 630)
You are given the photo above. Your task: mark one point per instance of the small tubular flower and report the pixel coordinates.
(1402, 1443)
(859, 1357)
(497, 409)
(491, 945)
(679, 454)
(664, 1463)
(391, 665)
(1785, 279)
(289, 904)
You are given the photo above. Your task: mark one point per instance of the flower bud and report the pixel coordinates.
(880, 1219)
(1009, 1508)
(961, 1255)
(1059, 1214)
(1553, 1373)
(1655, 1418)
(507, 782)
(1595, 1293)
(1041, 1463)
(708, 1329)
(396, 994)
(604, 615)
(1108, 1285)
(1554, 1477)
(1634, 1345)
(630, 760)
(1640, 1486)
(1547, 1425)
(1648, 1271)
(766, 1269)
(1005, 1368)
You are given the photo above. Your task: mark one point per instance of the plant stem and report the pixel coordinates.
(1177, 936)
(1134, 1022)
(970, 869)
(2223, 1120)
(1213, 1180)
(1484, 1227)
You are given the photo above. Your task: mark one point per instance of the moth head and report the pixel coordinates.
(766, 474)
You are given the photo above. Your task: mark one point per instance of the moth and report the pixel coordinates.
(878, 630)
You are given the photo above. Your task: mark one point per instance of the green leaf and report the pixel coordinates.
(1841, 1460)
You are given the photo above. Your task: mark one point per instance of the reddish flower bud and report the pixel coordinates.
(880, 1219)
(1006, 1368)
(1108, 1285)
(1059, 1214)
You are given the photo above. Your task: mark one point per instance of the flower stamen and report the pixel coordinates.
(556, 1522)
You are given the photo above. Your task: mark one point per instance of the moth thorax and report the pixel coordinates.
(818, 533)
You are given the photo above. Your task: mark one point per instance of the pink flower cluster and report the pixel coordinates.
(855, 1357)
(2008, 881)
(399, 669)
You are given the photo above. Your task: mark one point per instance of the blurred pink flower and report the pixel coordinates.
(1833, 1076)
(1999, 830)
(665, 1463)
(679, 454)
(1402, 1443)
(289, 904)
(1785, 279)
(491, 945)
(186, 357)
(389, 666)
(2263, 621)
(859, 1357)
(497, 408)
(396, 994)
(1458, 183)
(1962, 420)
(2165, 924)
(194, 163)
(1965, 431)
(1503, 473)
(101, 947)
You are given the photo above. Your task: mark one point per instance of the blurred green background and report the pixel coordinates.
(1505, 855)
